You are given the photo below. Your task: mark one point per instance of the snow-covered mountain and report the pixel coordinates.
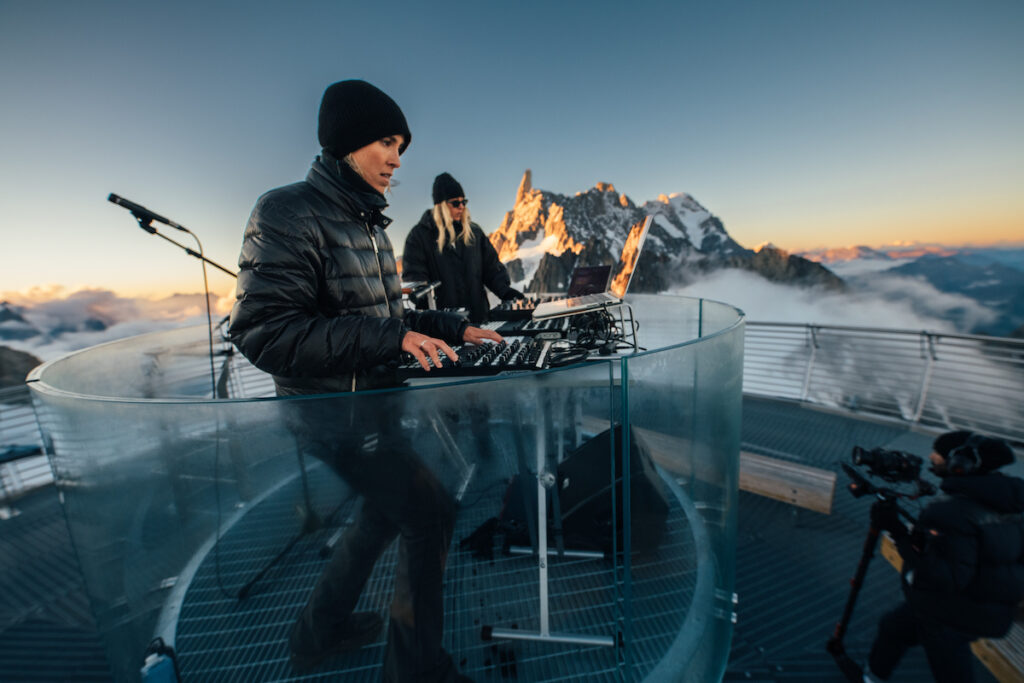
(546, 235)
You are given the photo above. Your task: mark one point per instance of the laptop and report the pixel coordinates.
(614, 291)
(589, 280)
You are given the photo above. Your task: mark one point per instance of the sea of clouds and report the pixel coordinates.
(70, 321)
(885, 301)
(879, 300)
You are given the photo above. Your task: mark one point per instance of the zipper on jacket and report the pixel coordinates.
(380, 276)
(380, 271)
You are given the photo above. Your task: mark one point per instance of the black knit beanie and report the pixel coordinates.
(354, 113)
(446, 187)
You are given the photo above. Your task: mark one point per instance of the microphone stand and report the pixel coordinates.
(311, 521)
(145, 224)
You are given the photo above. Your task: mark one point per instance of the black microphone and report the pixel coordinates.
(142, 213)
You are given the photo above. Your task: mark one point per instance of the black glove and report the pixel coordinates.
(513, 294)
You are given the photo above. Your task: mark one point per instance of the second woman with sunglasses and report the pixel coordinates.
(446, 246)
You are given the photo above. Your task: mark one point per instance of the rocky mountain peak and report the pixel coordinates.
(525, 185)
(769, 247)
(546, 235)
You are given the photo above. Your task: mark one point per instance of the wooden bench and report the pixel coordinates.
(801, 485)
(1004, 657)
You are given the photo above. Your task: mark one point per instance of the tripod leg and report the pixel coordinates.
(835, 645)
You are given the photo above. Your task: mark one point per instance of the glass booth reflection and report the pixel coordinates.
(207, 522)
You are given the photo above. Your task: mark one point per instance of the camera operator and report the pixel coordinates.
(963, 562)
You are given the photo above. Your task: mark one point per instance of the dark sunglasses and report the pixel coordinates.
(456, 203)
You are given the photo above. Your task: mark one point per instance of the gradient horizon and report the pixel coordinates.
(802, 124)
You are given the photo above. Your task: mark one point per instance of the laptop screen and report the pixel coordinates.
(630, 254)
(589, 280)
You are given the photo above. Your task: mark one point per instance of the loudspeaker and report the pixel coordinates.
(584, 489)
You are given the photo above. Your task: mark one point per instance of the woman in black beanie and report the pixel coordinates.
(447, 246)
(319, 307)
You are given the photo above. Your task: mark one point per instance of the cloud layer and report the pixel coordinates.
(882, 301)
(72, 321)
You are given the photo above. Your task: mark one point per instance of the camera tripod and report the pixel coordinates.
(884, 507)
(886, 503)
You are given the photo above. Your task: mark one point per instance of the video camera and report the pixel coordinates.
(892, 466)
(895, 467)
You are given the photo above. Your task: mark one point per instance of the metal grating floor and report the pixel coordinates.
(792, 572)
(47, 632)
(220, 638)
(793, 566)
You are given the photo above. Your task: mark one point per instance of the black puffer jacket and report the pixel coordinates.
(463, 270)
(970, 571)
(319, 298)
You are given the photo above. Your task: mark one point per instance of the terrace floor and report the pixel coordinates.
(793, 568)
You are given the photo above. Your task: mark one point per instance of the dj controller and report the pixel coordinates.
(514, 309)
(547, 328)
(512, 354)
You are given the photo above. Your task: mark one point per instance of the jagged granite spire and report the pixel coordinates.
(546, 235)
(525, 185)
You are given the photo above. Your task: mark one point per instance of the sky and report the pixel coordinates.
(806, 124)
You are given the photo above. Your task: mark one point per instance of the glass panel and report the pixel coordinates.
(209, 522)
(684, 412)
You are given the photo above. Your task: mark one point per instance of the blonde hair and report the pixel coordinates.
(446, 226)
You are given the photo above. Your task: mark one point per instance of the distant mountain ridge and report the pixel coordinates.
(15, 326)
(989, 276)
(997, 286)
(546, 235)
(14, 366)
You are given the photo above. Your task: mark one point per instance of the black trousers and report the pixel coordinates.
(403, 498)
(948, 650)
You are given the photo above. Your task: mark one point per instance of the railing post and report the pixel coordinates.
(810, 362)
(928, 344)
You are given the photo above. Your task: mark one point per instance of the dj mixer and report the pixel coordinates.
(512, 354)
(551, 328)
(514, 309)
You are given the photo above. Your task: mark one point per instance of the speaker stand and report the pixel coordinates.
(545, 482)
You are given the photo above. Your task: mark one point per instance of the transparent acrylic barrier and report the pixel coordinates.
(208, 522)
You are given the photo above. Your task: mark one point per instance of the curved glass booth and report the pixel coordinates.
(594, 504)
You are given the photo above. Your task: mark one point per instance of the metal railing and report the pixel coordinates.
(19, 434)
(938, 380)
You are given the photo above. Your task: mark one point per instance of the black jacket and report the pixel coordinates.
(319, 300)
(463, 270)
(968, 571)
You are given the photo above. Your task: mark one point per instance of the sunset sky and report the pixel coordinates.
(806, 124)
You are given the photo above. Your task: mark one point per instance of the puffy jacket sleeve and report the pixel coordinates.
(440, 324)
(276, 322)
(494, 272)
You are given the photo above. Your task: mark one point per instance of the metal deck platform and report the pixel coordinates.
(793, 568)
